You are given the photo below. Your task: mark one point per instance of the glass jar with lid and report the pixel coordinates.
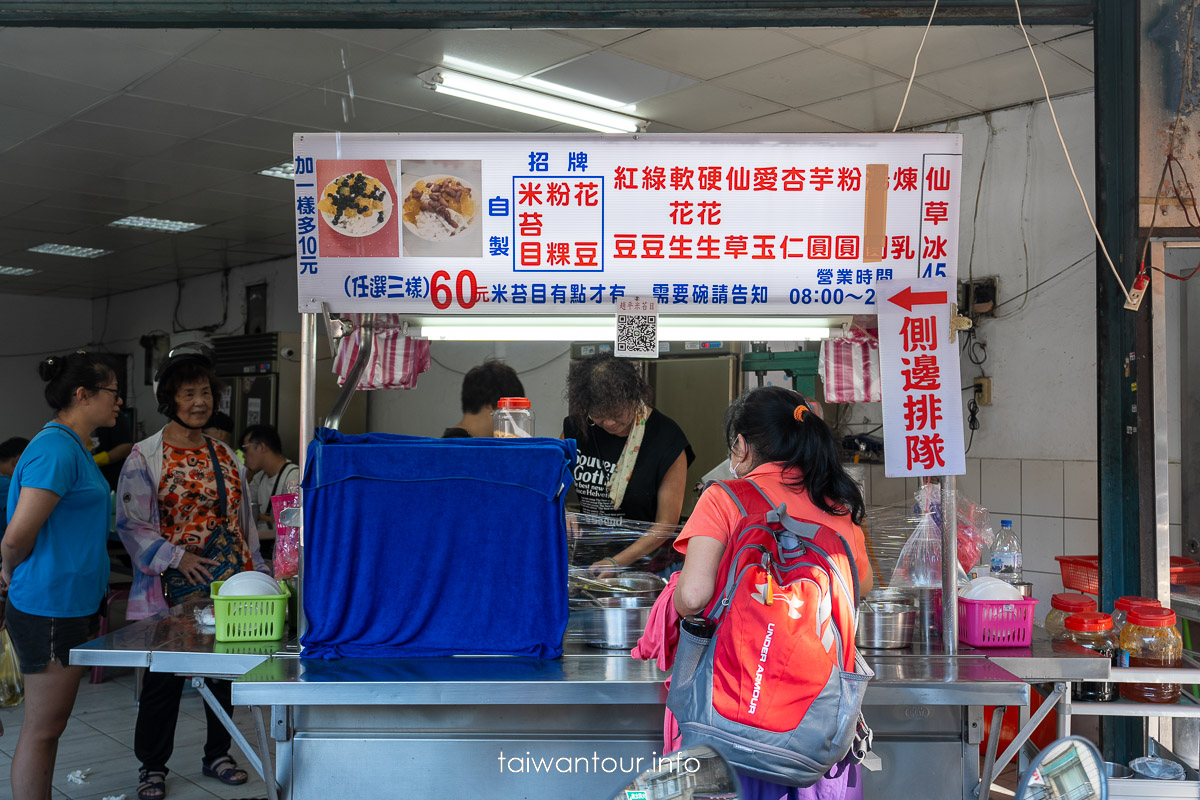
(1150, 640)
(1124, 604)
(1062, 605)
(1094, 631)
(513, 418)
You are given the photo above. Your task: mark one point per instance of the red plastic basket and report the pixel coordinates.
(1082, 573)
(995, 623)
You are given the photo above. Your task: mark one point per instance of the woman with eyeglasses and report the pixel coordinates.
(633, 459)
(55, 557)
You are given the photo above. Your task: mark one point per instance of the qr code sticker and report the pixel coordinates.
(637, 335)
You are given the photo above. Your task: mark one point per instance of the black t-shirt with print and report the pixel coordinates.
(599, 452)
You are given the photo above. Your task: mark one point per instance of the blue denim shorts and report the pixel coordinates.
(40, 640)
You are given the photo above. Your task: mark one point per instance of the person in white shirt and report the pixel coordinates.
(261, 448)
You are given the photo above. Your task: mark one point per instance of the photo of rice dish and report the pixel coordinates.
(355, 204)
(439, 208)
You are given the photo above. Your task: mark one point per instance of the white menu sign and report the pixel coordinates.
(718, 224)
(919, 371)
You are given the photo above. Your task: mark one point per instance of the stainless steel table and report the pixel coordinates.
(173, 642)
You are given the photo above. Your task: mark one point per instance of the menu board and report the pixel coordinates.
(564, 224)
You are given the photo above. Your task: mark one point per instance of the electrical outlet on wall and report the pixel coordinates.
(983, 391)
(978, 298)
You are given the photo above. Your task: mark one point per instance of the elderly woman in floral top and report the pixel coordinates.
(170, 497)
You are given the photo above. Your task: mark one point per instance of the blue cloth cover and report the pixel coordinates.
(435, 547)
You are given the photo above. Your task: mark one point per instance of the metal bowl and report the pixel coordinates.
(889, 595)
(641, 584)
(888, 627)
(618, 622)
(1113, 770)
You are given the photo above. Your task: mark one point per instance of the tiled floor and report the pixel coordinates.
(100, 737)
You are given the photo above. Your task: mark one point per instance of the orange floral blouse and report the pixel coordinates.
(188, 501)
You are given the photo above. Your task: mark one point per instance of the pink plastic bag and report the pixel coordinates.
(287, 538)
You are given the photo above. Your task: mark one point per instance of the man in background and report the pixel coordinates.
(10, 451)
(262, 451)
(482, 389)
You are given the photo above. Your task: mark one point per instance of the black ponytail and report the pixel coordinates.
(64, 374)
(769, 420)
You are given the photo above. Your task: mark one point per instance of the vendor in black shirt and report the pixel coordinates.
(633, 459)
(482, 388)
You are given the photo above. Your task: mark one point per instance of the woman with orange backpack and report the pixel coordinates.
(792, 491)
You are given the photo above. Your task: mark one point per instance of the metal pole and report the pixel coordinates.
(308, 415)
(949, 565)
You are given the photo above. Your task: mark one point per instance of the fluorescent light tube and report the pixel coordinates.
(569, 329)
(286, 170)
(503, 95)
(69, 250)
(152, 224)
(18, 271)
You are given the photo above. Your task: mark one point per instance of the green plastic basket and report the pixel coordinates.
(249, 619)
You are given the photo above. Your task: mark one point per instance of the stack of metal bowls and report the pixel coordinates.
(886, 620)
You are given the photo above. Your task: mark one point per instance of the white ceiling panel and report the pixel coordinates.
(284, 55)
(120, 205)
(228, 156)
(49, 96)
(144, 114)
(439, 123)
(977, 83)
(18, 124)
(263, 133)
(520, 52)
(708, 53)
(821, 36)
(806, 77)
(705, 106)
(876, 109)
(792, 121)
(393, 79)
(214, 88)
(277, 194)
(893, 48)
(385, 40)
(78, 55)
(175, 41)
(601, 37)
(614, 77)
(336, 111)
(41, 153)
(110, 138)
(186, 177)
(149, 191)
(1080, 48)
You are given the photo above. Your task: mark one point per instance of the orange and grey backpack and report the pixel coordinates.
(778, 688)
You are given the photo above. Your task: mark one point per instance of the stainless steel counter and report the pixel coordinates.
(1185, 601)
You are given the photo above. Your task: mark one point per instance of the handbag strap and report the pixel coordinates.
(222, 496)
(279, 477)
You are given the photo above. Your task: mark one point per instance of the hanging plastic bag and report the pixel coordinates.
(12, 684)
(287, 537)
(920, 562)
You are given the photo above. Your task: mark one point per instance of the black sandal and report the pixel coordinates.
(152, 785)
(224, 769)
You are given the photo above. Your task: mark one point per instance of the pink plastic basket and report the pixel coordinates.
(995, 623)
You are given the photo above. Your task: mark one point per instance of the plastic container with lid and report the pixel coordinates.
(1149, 639)
(513, 418)
(1062, 605)
(1124, 604)
(1094, 631)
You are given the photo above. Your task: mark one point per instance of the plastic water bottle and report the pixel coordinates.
(1006, 554)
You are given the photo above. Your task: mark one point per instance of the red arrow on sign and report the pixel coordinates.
(907, 298)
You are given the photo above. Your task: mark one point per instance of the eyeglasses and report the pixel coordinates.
(117, 397)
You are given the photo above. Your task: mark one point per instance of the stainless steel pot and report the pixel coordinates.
(888, 627)
(618, 622)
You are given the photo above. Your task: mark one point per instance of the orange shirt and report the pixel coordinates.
(188, 501)
(716, 515)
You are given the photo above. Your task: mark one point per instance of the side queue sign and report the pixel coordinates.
(919, 373)
(705, 224)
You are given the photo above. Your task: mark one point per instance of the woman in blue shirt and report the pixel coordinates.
(55, 559)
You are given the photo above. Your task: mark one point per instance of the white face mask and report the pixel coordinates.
(733, 468)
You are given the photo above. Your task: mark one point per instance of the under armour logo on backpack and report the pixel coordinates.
(765, 596)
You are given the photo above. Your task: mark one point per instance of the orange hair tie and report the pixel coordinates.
(799, 413)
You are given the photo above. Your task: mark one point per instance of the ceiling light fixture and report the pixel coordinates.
(503, 95)
(152, 224)
(18, 271)
(573, 329)
(286, 170)
(69, 250)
